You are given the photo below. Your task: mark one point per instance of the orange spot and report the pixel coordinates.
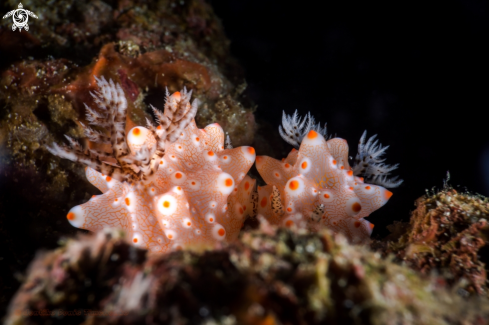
(170, 236)
(276, 174)
(312, 134)
(127, 201)
(210, 153)
(225, 157)
(293, 149)
(135, 240)
(161, 162)
(176, 95)
(334, 162)
(287, 165)
(283, 159)
(221, 232)
(367, 187)
(179, 147)
(93, 196)
(86, 168)
(211, 219)
(197, 139)
(241, 210)
(351, 188)
(356, 207)
(251, 150)
(193, 183)
(158, 127)
(342, 167)
(173, 156)
(244, 208)
(350, 173)
(289, 223)
(258, 159)
(70, 216)
(136, 131)
(108, 178)
(178, 175)
(371, 226)
(304, 165)
(326, 196)
(189, 224)
(228, 182)
(387, 194)
(152, 190)
(294, 185)
(289, 209)
(247, 185)
(179, 188)
(361, 178)
(116, 200)
(166, 204)
(226, 208)
(357, 224)
(263, 202)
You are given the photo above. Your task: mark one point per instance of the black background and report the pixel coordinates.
(415, 73)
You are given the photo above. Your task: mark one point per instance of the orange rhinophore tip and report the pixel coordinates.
(312, 134)
(251, 150)
(387, 194)
(372, 226)
(136, 131)
(176, 95)
(70, 216)
(229, 182)
(350, 173)
(108, 178)
(221, 232)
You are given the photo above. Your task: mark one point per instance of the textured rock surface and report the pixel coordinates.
(269, 277)
(446, 234)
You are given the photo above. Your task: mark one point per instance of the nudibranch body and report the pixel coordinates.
(315, 187)
(175, 185)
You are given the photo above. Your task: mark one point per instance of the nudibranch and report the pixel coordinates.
(315, 187)
(168, 186)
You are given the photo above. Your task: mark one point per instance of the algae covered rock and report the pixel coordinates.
(445, 235)
(269, 276)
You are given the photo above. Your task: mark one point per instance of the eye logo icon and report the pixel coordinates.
(20, 17)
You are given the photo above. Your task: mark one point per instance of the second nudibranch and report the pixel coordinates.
(198, 196)
(314, 187)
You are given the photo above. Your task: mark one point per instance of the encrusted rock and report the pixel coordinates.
(445, 235)
(269, 277)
